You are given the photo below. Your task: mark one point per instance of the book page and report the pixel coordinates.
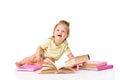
(46, 70)
(49, 63)
(66, 70)
(48, 67)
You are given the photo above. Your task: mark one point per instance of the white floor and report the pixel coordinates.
(80, 75)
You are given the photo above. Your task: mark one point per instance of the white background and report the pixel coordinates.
(24, 24)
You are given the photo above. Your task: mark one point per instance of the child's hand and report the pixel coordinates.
(39, 60)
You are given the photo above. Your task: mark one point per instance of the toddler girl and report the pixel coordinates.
(52, 48)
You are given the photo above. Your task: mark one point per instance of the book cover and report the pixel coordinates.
(94, 64)
(100, 68)
(77, 60)
(49, 67)
(28, 68)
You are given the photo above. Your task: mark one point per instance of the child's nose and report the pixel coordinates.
(59, 31)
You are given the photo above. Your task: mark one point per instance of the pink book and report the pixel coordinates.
(28, 68)
(100, 68)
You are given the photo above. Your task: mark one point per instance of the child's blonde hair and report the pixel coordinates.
(63, 22)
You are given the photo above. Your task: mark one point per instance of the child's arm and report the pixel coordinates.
(39, 51)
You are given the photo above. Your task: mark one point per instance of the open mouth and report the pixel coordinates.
(59, 35)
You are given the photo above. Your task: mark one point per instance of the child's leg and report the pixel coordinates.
(27, 60)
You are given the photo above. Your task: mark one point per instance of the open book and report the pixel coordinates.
(50, 67)
(77, 60)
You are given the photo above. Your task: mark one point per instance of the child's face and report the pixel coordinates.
(61, 32)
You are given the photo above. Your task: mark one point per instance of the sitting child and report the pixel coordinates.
(53, 48)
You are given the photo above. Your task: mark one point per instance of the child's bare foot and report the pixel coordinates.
(18, 64)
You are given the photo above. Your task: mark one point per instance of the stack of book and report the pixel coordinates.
(96, 65)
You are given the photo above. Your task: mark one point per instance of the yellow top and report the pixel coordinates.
(51, 50)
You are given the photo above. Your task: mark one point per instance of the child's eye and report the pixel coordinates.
(58, 30)
(63, 31)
